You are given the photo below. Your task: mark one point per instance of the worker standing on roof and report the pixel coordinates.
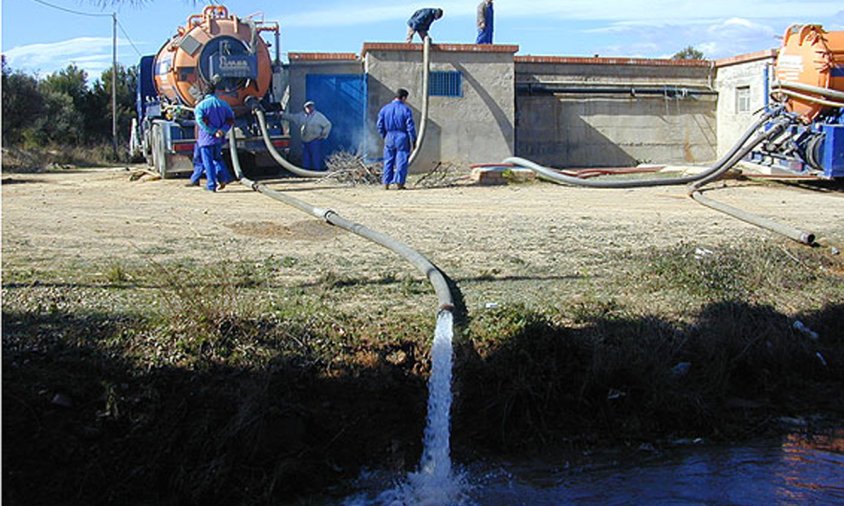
(395, 124)
(421, 21)
(314, 129)
(485, 14)
(214, 117)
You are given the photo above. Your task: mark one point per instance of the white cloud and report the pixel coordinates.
(93, 54)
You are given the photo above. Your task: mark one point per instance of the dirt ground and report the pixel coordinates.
(525, 231)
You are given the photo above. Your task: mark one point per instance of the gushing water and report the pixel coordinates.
(434, 475)
(433, 484)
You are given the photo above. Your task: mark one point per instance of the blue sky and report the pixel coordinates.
(40, 39)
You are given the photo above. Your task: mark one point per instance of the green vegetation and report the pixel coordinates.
(688, 53)
(221, 384)
(42, 116)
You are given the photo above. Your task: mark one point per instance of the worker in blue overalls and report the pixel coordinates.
(395, 124)
(214, 117)
(485, 15)
(420, 22)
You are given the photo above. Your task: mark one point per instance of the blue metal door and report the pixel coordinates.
(342, 99)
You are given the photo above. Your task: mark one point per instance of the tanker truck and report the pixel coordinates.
(808, 82)
(212, 47)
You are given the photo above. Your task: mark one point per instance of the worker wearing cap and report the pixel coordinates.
(214, 117)
(314, 129)
(421, 21)
(395, 124)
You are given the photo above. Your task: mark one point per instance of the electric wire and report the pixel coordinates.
(80, 13)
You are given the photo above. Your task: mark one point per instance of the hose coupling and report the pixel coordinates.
(445, 307)
(253, 103)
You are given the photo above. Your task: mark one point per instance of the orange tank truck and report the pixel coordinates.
(810, 71)
(212, 47)
(215, 46)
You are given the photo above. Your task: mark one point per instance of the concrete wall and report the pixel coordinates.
(303, 64)
(746, 70)
(604, 112)
(478, 127)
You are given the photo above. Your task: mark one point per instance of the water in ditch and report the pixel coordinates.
(795, 469)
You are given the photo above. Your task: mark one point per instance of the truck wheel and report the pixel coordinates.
(160, 158)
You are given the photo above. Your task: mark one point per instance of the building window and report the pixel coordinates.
(743, 99)
(445, 84)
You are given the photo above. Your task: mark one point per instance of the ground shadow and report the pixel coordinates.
(85, 423)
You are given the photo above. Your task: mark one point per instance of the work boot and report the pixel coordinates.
(192, 184)
(402, 186)
(221, 185)
(386, 187)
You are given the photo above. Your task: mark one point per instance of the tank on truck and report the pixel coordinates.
(213, 46)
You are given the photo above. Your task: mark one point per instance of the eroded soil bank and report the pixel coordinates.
(163, 345)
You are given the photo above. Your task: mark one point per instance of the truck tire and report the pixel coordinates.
(161, 160)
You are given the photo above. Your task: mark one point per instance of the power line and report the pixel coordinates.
(91, 14)
(127, 37)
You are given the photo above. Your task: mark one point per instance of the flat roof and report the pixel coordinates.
(746, 58)
(444, 48)
(597, 60)
(322, 56)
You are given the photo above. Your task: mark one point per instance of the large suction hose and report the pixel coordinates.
(790, 232)
(838, 95)
(426, 70)
(262, 122)
(431, 272)
(739, 150)
(736, 153)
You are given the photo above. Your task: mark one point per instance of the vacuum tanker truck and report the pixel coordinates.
(212, 47)
(808, 81)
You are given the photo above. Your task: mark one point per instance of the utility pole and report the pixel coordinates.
(114, 83)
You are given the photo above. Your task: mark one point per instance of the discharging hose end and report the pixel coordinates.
(807, 238)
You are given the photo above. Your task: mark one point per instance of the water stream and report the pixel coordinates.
(795, 469)
(433, 483)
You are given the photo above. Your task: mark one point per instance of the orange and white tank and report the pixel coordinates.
(810, 61)
(214, 47)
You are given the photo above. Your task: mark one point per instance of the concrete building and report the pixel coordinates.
(742, 85)
(486, 103)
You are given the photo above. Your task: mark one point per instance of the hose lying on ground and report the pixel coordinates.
(431, 272)
(737, 152)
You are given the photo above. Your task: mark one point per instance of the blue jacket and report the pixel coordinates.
(395, 124)
(422, 19)
(212, 114)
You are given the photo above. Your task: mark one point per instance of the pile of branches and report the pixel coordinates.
(441, 176)
(349, 168)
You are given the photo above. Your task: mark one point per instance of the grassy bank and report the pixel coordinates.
(223, 384)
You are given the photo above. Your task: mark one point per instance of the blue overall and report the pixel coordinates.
(212, 114)
(312, 155)
(422, 19)
(395, 124)
(485, 35)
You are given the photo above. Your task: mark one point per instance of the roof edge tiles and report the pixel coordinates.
(579, 60)
(446, 48)
(322, 57)
(746, 58)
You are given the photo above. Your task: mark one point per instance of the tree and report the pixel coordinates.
(22, 104)
(688, 53)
